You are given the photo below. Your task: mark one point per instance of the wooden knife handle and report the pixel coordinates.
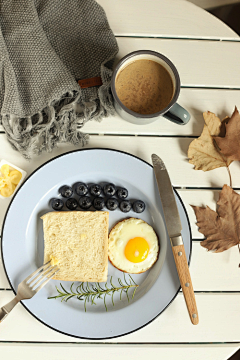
(186, 282)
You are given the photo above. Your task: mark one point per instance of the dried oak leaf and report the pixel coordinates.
(202, 151)
(230, 144)
(221, 228)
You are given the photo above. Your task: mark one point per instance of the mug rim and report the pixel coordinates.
(170, 64)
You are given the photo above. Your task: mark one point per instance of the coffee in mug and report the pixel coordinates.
(144, 86)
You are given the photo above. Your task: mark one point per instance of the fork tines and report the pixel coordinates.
(44, 273)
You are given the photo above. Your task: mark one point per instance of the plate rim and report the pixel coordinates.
(3, 262)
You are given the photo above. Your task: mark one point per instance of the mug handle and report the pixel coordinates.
(178, 115)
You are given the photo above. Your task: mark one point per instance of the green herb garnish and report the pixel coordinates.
(88, 293)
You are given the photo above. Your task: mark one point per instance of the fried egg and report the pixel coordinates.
(133, 246)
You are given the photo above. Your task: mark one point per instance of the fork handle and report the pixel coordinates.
(5, 310)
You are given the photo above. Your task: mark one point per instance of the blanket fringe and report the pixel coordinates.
(60, 122)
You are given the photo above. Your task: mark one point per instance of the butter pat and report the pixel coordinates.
(11, 177)
(54, 260)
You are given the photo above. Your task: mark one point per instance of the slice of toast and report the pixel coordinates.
(78, 241)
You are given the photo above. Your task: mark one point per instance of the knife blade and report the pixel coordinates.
(174, 227)
(167, 197)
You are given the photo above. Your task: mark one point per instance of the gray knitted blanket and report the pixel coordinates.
(46, 46)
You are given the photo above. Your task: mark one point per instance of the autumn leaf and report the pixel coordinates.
(221, 228)
(223, 127)
(213, 123)
(202, 152)
(230, 143)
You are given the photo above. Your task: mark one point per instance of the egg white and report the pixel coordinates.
(119, 236)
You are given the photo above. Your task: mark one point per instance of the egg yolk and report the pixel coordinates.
(136, 250)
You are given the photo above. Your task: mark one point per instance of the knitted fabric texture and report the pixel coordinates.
(46, 46)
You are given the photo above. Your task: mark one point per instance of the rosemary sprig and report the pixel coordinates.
(88, 293)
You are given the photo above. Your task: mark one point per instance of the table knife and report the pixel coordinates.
(174, 228)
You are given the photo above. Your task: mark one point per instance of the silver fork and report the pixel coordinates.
(30, 286)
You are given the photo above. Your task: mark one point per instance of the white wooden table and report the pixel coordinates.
(206, 52)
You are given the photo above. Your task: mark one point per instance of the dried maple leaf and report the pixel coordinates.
(213, 123)
(223, 126)
(202, 152)
(221, 228)
(230, 143)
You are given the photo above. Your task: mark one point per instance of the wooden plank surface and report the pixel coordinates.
(168, 18)
(3, 279)
(217, 314)
(202, 57)
(210, 80)
(196, 101)
(117, 352)
(173, 151)
(195, 59)
(209, 4)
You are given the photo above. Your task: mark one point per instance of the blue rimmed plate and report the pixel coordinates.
(23, 244)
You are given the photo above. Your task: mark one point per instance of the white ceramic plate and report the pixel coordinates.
(22, 244)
